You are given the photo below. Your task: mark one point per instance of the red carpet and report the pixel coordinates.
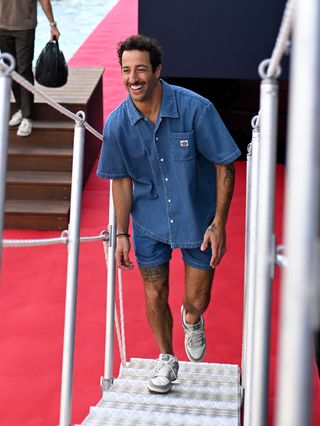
(33, 286)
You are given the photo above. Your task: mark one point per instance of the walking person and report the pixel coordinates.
(171, 161)
(18, 20)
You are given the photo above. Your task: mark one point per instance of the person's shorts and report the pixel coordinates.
(150, 252)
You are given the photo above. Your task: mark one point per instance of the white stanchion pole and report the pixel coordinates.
(5, 86)
(109, 345)
(265, 249)
(301, 220)
(246, 265)
(72, 273)
(250, 273)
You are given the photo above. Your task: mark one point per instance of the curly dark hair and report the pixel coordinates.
(143, 43)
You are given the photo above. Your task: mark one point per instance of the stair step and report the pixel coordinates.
(45, 132)
(116, 416)
(229, 392)
(37, 157)
(174, 402)
(186, 376)
(35, 185)
(36, 214)
(185, 366)
(31, 176)
(204, 394)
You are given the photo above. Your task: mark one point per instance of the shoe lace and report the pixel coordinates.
(165, 369)
(194, 337)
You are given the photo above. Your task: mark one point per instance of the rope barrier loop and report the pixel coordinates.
(7, 68)
(263, 70)
(255, 122)
(82, 117)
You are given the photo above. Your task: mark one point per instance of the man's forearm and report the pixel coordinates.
(225, 187)
(47, 8)
(122, 198)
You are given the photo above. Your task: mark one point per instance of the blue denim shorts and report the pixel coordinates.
(150, 252)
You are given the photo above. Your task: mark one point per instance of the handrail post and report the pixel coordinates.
(5, 86)
(72, 272)
(265, 258)
(106, 381)
(250, 278)
(301, 221)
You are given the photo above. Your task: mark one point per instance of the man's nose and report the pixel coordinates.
(133, 75)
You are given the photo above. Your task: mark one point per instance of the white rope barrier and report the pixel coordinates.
(282, 42)
(122, 322)
(120, 329)
(272, 65)
(63, 239)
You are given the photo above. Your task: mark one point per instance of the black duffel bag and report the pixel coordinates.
(51, 67)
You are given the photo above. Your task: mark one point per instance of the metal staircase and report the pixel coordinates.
(204, 394)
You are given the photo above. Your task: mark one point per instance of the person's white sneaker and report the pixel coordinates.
(25, 127)
(16, 118)
(164, 373)
(194, 339)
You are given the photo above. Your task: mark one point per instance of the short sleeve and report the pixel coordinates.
(111, 163)
(213, 138)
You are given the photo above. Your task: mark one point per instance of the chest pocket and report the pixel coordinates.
(182, 146)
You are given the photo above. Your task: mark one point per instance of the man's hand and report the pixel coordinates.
(54, 32)
(216, 235)
(122, 254)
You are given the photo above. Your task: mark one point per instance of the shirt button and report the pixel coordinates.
(169, 201)
(161, 159)
(166, 179)
(157, 138)
(171, 220)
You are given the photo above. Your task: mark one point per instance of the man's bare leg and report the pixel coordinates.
(198, 284)
(156, 287)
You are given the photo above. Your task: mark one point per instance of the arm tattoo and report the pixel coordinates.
(229, 174)
(155, 272)
(212, 227)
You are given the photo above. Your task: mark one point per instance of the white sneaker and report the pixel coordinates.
(195, 339)
(25, 127)
(164, 373)
(16, 118)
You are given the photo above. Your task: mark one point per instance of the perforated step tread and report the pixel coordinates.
(204, 394)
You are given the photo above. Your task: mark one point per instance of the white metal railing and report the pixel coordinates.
(298, 256)
(301, 224)
(5, 87)
(70, 236)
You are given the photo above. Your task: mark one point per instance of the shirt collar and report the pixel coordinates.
(168, 105)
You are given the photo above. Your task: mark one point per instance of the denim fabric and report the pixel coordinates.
(150, 252)
(172, 164)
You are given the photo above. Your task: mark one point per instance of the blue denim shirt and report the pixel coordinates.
(172, 164)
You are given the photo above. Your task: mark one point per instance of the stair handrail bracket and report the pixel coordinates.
(7, 65)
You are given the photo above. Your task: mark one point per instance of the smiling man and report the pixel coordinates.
(171, 160)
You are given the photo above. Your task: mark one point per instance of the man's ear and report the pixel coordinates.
(158, 71)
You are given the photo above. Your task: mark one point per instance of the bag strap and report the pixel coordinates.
(55, 40)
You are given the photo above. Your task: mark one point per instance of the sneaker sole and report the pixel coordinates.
(158, 390)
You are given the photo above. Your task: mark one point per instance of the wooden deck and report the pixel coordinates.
(40, 166)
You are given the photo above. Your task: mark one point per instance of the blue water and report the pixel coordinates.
(76, 19)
